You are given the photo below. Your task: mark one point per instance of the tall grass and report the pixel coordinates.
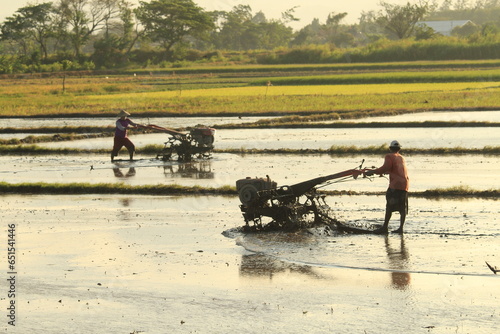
(436, 49)
(445, 48)
(356, 150)
(341, 150)
(166, 190)
(460, 191)
(109, 188)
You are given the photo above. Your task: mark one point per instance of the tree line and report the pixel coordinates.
(97, 34)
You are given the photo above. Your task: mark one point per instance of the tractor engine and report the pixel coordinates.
(250, 190)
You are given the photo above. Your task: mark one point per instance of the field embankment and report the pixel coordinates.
(113, 188)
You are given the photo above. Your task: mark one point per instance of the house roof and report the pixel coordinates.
(444, 27)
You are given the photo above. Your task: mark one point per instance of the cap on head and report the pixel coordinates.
(395, 144)
(123, 113)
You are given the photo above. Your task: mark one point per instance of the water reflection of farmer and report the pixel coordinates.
(397, 193)
(121, 139)
(398, 258)
(119, 173)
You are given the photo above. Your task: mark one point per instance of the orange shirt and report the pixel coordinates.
(395, 166)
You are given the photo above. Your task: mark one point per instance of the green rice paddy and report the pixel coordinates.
(260, 90)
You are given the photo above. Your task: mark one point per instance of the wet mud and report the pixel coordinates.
(177, 264)
(172, 264)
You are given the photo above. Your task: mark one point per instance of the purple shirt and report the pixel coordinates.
(121, 127)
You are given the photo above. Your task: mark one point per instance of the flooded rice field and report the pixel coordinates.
(426, 172)
(177, 264)
(312, 138)
(171, 122)
(319, 138)
(455, 116)
(178, 122)
(325, 138)
(145, 264)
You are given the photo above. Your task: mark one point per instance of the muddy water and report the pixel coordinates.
(455, 116)
(119, 264)
(296, 138)
(311, 138)
(172, 122)
(176, 122)
(426, 172)
(147, 264)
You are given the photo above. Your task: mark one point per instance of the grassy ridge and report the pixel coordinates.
(337, 67)
(355, 150)
(60, 129)
(292, 122)
(108, 188)
(333, 150)
(54, 138)
(490, 75)
(120, 188)
(297, 122)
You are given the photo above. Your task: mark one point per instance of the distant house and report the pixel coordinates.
(444, 27)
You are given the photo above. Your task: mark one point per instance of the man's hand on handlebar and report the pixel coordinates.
(369, 173)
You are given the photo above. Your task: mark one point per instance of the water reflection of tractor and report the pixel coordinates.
(194, 170)
(198, 143)
(289, 207)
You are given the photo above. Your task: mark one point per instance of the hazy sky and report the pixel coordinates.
(307, 9)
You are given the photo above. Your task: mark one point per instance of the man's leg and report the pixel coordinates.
(401, 221)
(117, 145)
(130, 147)
(388, 213)
(402, 211)
(385, 228)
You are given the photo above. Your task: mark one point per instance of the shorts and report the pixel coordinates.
(397, 200)
(119, 143)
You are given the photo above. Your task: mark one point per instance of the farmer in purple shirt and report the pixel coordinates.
(121, 138)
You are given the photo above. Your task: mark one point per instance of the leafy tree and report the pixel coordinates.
(309, 34)
(170, 22)
(332, 32)
(336, 33)
(446, 5)
(233, 27)
(117, 39)
(401, 20)
(480, 12)
(273, 34)
(288, 16)
(129, 36)
(368, 27)
(14, 31)
(79, 19)
(30, 24)
(423, 32)
(241, 30)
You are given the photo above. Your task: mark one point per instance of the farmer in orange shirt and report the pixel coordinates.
(397, 193)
